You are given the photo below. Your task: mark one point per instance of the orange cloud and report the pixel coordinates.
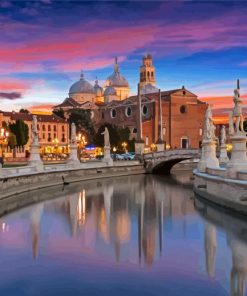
(41, 109)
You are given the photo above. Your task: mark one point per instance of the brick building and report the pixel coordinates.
(182, 112)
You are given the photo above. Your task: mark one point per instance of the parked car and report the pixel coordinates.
(128, 156)
(119, 157)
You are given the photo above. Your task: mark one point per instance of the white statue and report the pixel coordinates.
(237, 111)
(35, 133)
(106, 137)
(223, 135)
(73, 133)
(209, 128)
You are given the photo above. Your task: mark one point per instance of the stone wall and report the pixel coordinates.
(18, 183)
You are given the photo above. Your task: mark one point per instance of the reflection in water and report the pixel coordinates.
(137, 223)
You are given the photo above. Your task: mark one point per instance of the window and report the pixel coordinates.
(148, 74)
(63, 138)
(54, 128)
(144, 110)
(128, 111)
(43, 127)
(134, 130)
(43, 136)
(113, 113)
(62, 128)
(183, 109)
(49, 128)
(38, 127)
(152, 74)
(49, 136)
(54, 135)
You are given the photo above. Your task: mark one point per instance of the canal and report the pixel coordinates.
(136, 235)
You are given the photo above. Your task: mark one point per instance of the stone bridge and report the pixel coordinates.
(162, 162)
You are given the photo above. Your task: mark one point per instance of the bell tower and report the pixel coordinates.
(147, 71)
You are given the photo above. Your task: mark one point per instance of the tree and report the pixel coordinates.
(22, 110)
(12, 140)
(115, 138)
(59, 112)
(83, 122)
(20, 130)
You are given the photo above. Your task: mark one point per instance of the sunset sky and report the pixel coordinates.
(45, 44)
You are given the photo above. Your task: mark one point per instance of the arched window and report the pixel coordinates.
(144, 110)
(148, 74)
(152, 74)
(183, 109)
(113, 113)
(128, 111)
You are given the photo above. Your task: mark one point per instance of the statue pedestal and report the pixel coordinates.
(238, 161)
(107, 156)
(208, 157)
(34, 159)
(139, 150)
(223, 155)
(73, 159)
(160, 145)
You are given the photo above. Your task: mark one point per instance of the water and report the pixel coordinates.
(137, 235)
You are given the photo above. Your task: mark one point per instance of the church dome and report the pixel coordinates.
(81, 86)
(98, 90)
(148, 89)
(110, 91)
(116, 79)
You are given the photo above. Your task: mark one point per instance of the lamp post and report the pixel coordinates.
(124, 145)
(114, 152)
(3, 141)
(55, 142)
(81, 142)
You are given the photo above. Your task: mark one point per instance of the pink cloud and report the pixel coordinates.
(13, 85)
(89, 46)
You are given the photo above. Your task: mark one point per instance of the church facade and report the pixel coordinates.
(182, 113)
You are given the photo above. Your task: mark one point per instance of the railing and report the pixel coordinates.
(171, 152)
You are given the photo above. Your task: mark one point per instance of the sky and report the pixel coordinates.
(45, 44)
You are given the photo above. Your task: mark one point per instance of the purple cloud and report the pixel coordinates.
(10, 96)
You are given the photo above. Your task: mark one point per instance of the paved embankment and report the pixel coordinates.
(23, 182)
(228, 193)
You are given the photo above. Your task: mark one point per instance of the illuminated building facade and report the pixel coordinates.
(182, 113)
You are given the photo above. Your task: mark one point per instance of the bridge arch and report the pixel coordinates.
(163, 161)
(164, 168)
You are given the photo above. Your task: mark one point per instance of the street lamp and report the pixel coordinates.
(114, 152)
(124, 145)
(55, 142)
(81, 141)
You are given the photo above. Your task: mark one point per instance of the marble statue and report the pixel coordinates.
(237, 111)
(35, 129)
(106, 137)
(73, 133)
(223, 135)
(209, 127)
